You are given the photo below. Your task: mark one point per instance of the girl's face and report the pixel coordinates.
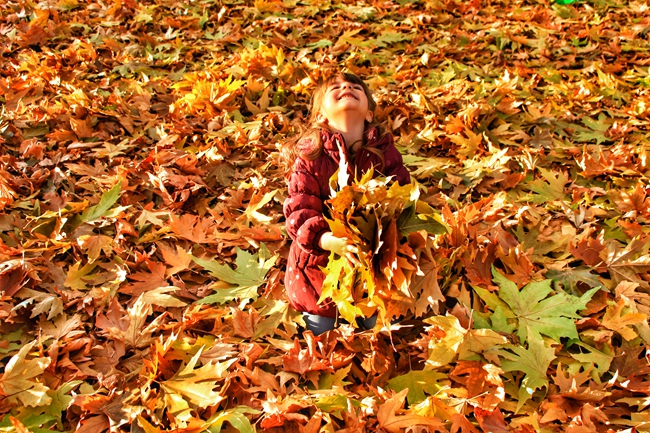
(342, 98)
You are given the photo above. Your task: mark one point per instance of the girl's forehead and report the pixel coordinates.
(339, 80)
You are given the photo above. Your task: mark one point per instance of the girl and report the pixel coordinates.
(341, 126)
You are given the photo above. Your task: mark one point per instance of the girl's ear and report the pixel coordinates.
(369, 117)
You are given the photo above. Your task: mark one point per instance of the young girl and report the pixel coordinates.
(340, 126)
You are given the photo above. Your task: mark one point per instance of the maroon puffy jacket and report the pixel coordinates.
(308, 190)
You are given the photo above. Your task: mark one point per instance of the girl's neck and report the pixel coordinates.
(352, 132)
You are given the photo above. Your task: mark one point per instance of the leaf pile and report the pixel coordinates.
(391, 229)
(142, 248)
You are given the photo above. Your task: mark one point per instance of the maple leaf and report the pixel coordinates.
(192, 228)
(249, 274)
(417, 382)
(43, 303)
(535, 311)
(128, 329)
(449, 336)
(178, 259)
(256, 203)
(301, 360)
(551, 190)
(626, 264)
(146, 281)
(190, 386)
(533, 361)
(619, 321)
(394, 419)
(18, 380)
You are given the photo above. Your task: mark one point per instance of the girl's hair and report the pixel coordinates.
(312, 148)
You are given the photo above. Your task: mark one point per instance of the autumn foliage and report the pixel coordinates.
(142, 244)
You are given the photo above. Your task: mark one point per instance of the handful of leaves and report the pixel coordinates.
(391, 227)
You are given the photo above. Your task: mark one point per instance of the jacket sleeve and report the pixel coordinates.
(303, 210)
(395, 165)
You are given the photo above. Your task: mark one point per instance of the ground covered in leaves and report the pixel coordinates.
(142, 248)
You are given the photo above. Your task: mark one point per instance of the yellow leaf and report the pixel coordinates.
(196, 386)
(450, 333)
(19, 379)
(161, 298)
(616, 320)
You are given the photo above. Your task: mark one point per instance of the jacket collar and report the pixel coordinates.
(331, 140)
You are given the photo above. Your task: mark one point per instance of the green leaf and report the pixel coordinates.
(329, 380)
(236, 417)
(109, 198)
(388, 38)
(204, 19)
(586, 135)
(34, 423)
(409, 222)
(537, 313)
(322, 43)
(500, 322)
(417, 382)
(601, 125)
(249, 273)
(61, 399)
(19, 379)
(592, 356)
(534, 362)
(335, 404)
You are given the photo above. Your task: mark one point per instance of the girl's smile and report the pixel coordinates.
(343, 98)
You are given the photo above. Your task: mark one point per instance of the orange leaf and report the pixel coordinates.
(490, 421)
(393, 418)
(301, 360)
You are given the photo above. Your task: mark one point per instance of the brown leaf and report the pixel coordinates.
(588, 248)
(245, 322)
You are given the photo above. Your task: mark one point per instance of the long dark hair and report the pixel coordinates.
(298, 146)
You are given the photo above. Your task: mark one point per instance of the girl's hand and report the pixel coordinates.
(341, 246)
